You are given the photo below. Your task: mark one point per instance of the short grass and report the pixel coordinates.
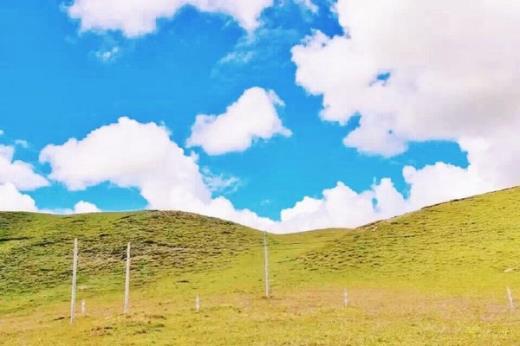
(434, 277)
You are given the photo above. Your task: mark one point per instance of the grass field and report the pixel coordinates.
(433, 277)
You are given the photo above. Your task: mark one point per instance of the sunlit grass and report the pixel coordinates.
(438, 276)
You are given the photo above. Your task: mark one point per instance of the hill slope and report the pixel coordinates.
(436, 276)
(35, 248)
(475, 239)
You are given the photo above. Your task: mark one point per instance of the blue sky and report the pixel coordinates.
(55, 85)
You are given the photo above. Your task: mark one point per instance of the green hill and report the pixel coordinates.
(436, 276)
(469, 244)
(35, 249)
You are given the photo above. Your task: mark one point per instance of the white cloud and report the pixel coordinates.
(15, 176)
(83, 207)
(453, 76)
(2, 132)
(259, 52)
(133, 154)
(441, 182)
(220, 183)
(107, 55)
(22, 143)
(239, 56)
(342, 207)
(308, 4)
(13, 200)
(252, 117)
(139, 17)
(18, 173)
(127, 153)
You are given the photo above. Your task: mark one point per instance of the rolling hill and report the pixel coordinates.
(436, 276)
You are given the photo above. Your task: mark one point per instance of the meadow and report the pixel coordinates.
(433, 277)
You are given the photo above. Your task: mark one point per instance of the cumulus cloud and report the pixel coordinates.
(83, 207)
(18, 173)
(139, 17)
(132, 154)
(17, 176)
(340, 206)
(11, 199)
(252, 117)
(127, 153)
(142, 155)
(452, 75)
(441, 182)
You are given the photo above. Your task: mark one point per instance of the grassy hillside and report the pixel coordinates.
(437, 276)
(470, 244)
(35, 249)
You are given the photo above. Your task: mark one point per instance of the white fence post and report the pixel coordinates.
(83, 307)
(74, 278)
(127, 280)
(197, 303)
(266, 266)
(510, 299)
(345, 297)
